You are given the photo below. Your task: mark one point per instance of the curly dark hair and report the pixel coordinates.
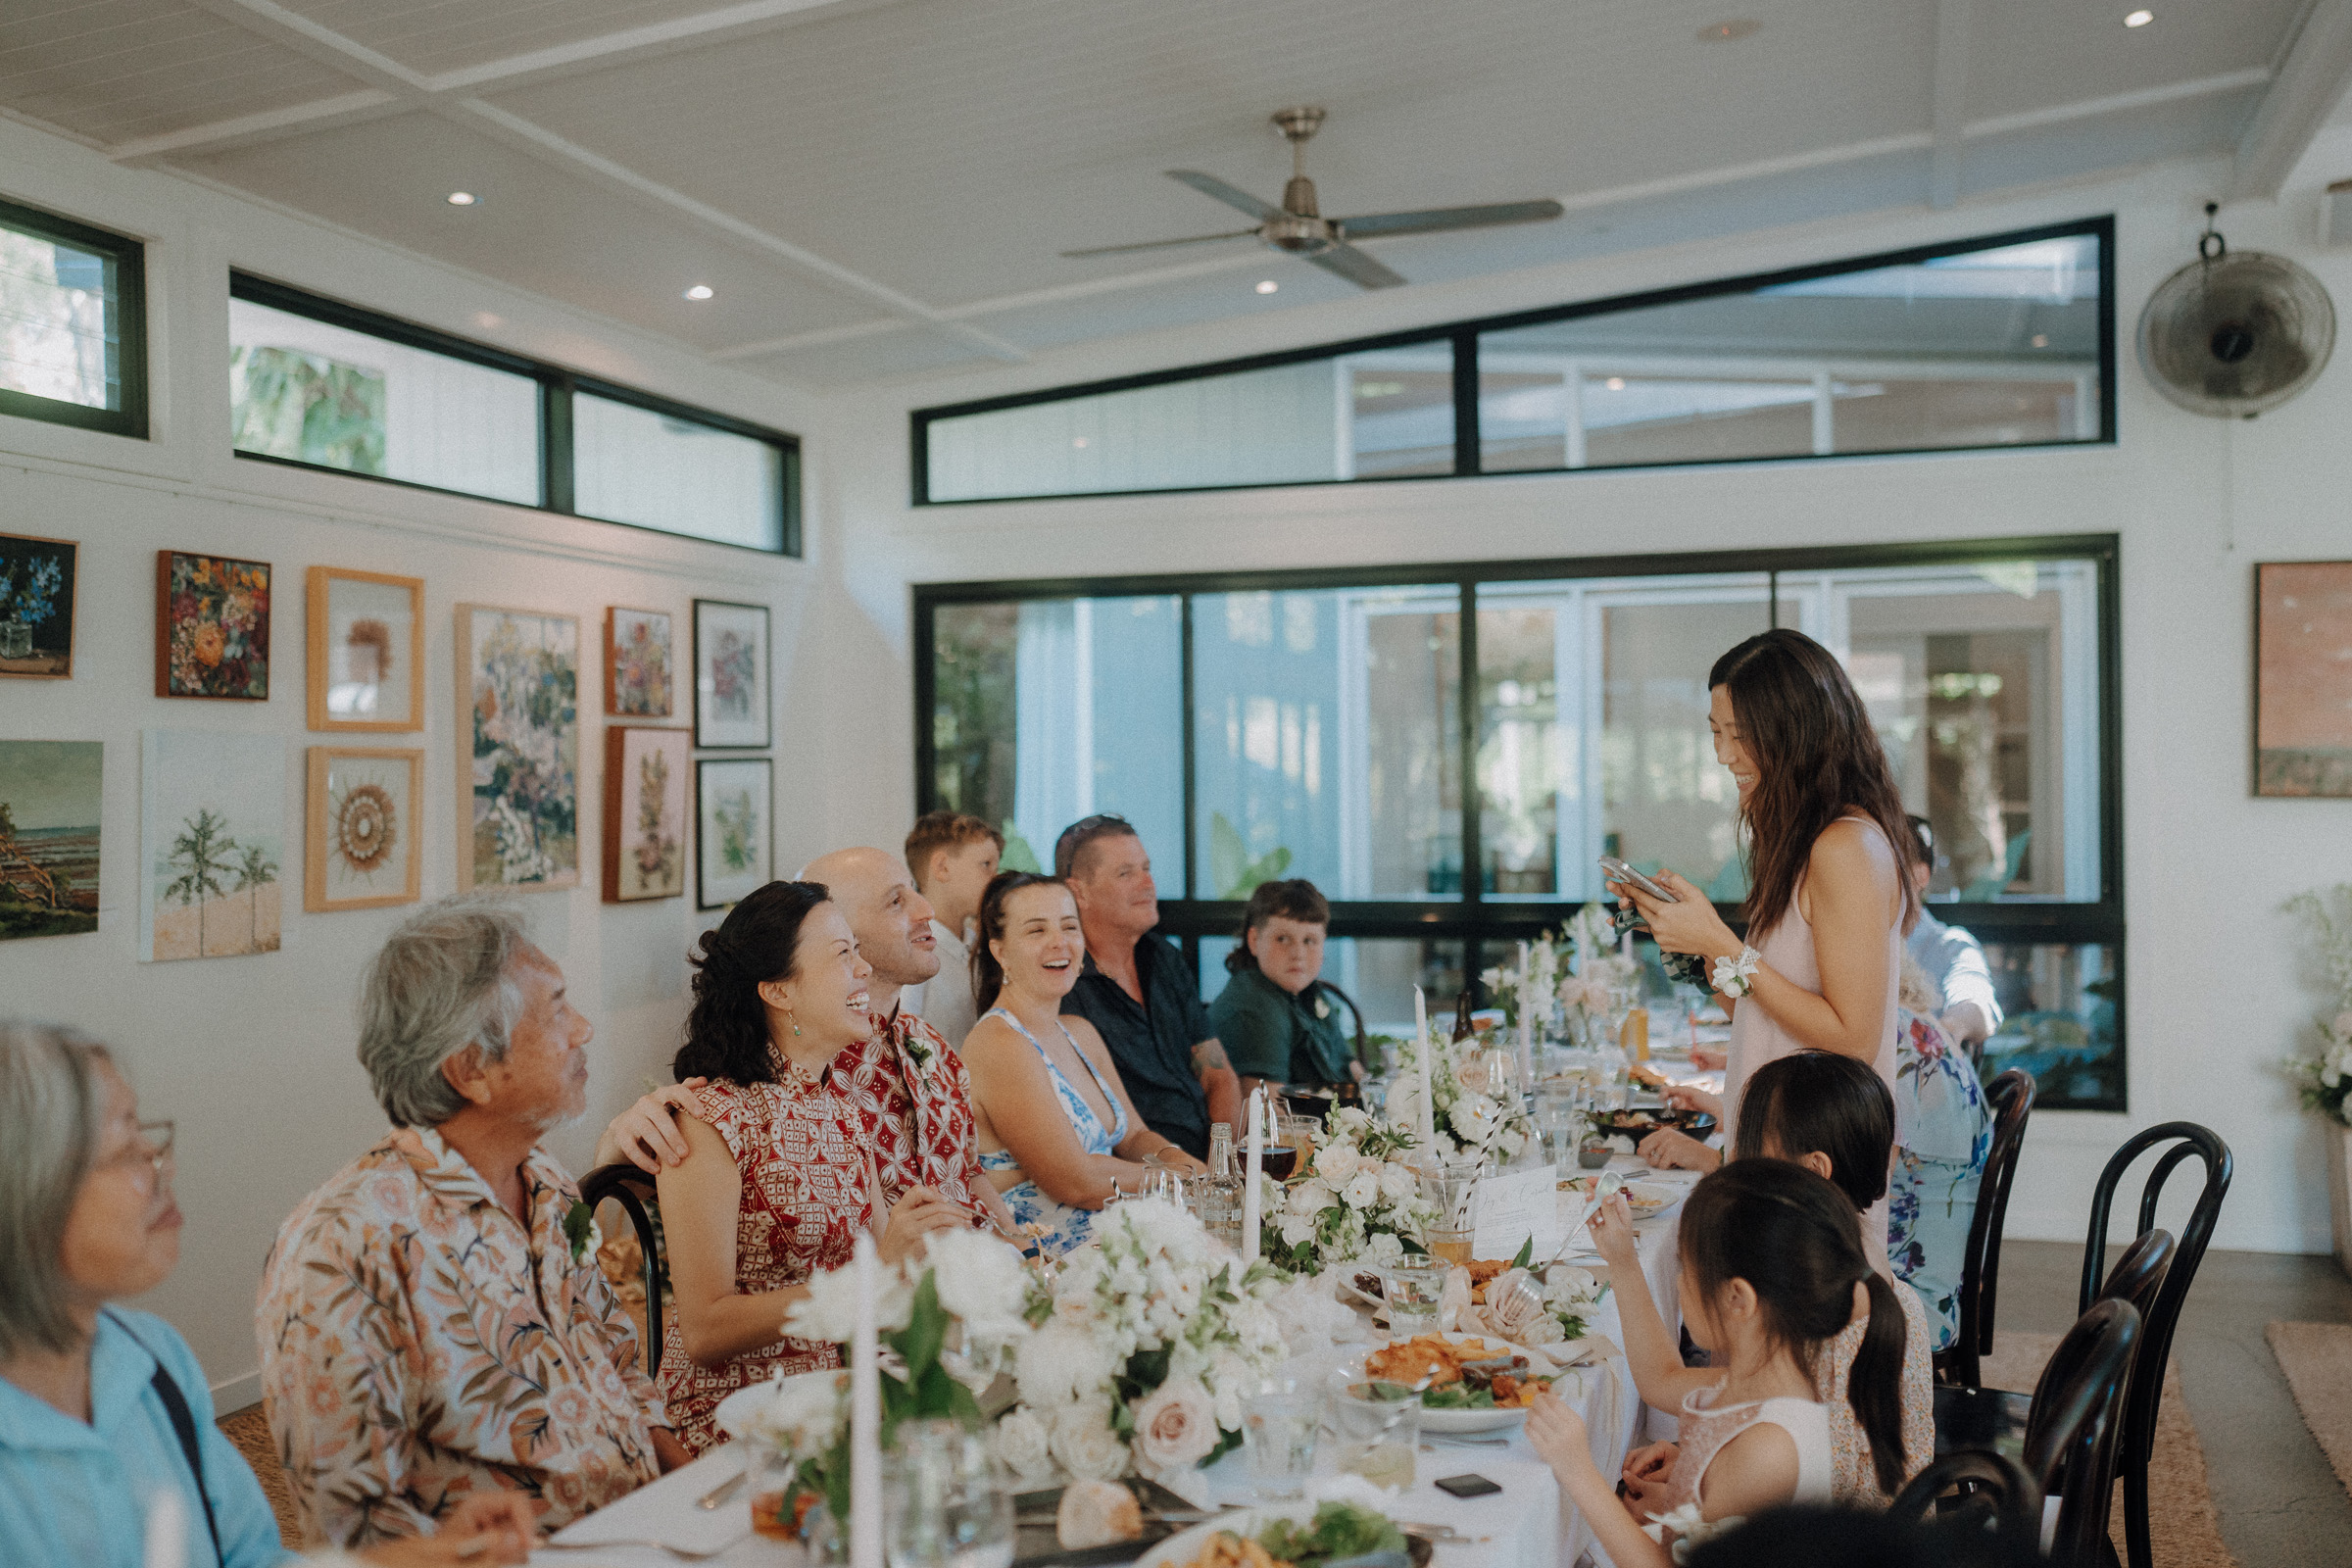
(727, 1033)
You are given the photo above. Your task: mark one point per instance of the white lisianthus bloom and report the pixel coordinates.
(1025, 1444)
(1085, 1444)
(1382, 1248)
(828, 1313)
(1298, 1229)
(1398, 1182)
(982, 1284)
(806, 1415)
(1362, 1190)
(1309, 1197)
(1473, 1117)
(1336, 1162)
(1349, 1121)
(1061, 1362)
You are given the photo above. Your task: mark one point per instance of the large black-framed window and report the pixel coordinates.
(317, 383)
(1990, 342)
(1444, 749)
(72, 324)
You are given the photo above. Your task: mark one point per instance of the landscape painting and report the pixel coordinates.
(519, 761)
(2303, 678)
(361, 849)
(36, 606)
(732, 832)
(212, 626)
(730, 674)
(637, 662)
(50, 808)
(645, 813)
(211, 839)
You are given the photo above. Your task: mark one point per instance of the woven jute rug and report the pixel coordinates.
(2316, 1358)
(2183, 1531)
(249, 1430)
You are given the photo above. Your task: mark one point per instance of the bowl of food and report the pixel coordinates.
(1474, 1384)
(1644, 1199)
(1289, 1534)
(1639, 1123)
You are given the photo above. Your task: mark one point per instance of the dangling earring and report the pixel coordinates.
(795, 1022)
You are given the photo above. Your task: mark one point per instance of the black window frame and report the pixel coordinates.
(556, 385)
(1464, 335)
(1472, 918)
(127, 261)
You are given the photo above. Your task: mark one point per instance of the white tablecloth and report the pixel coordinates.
(1529, 1524)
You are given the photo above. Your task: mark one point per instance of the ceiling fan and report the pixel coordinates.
(1298, 228)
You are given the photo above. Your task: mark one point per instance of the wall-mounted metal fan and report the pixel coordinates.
(2232, 335)
(1299, 228)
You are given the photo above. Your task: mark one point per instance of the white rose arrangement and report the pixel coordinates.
(2326, 1075)
(1360, 1200)
(1144, 1347)
(1468, 1123)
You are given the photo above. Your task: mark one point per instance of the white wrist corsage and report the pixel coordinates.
(1689, 1527)
(1736, 977)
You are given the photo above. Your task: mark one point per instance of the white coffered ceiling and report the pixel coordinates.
(880, 187)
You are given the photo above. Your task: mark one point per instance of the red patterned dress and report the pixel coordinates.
(914, 1098)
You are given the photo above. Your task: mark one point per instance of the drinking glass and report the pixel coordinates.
(943, 1503)
(1278, 1427)
(1297, 1132)
(1411, 1290)
(1453, 1188)
(1378, 1436)
(1217, 1201)
(770, 1468)
(1449, 1244)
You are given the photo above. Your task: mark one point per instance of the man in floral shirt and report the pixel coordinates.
(428, 1325)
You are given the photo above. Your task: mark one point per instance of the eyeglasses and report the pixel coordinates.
(150, 1146)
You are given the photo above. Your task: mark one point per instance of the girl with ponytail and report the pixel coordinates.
(1773, 1270)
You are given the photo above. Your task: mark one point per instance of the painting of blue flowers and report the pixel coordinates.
(521, 766)
(36, 606)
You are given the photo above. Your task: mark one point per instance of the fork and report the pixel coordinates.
(682, 1553)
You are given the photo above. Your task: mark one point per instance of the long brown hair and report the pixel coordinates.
(1817, 757)
(987, 976)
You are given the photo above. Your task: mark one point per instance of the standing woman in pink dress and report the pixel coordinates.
(1827, 901)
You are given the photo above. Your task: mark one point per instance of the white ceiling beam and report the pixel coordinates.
(2308, 88)
(701, 30)
(381, 73)
(1954, 18)
(2171, 92)
(219, 135)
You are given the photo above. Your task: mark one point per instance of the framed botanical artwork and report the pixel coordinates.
(2303, 678)
(360, 847)
(645, 812)
(51, 805)
(366, 649)
(211, 836)
(637, 662)
(212, 626)
(518, 752)
(36, 606)
(730, 674)
(732, 834)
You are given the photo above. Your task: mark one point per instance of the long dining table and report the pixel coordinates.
(1528, 1524)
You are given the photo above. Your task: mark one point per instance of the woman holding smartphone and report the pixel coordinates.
(1827, 901)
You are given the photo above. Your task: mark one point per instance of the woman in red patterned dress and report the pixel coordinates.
(778, 1181)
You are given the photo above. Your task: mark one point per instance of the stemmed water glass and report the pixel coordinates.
(945, 1506)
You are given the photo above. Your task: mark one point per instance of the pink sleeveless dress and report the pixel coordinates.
(1759, 1038)
(1707, 1426)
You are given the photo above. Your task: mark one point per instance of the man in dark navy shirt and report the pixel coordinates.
(1138, 992)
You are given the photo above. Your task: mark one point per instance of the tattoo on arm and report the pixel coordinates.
(1210, 1056)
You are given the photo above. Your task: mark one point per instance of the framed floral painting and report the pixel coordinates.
(733, 836)
(366, 649)
(212, 626)
(361, 849)
(36, 606)
(730, 675)
(637, 662)
(645, 813)
(518, 759)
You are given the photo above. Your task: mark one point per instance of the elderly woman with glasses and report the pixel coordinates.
(109, 1457)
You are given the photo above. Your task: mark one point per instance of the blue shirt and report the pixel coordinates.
(78, 1494)
(1954, 963)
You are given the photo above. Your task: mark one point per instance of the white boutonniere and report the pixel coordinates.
(919, 1051)
(1322, 1008)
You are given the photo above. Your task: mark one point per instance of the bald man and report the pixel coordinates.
(908, 1084)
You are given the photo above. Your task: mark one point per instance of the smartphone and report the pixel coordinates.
(1468, 1486)
(1617, 871)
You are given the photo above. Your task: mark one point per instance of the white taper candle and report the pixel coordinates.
(865, 1417)
(1424, 1120)
(1254, 1165)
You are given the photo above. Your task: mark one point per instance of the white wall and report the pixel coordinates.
(253, 1055)
(2213, 997)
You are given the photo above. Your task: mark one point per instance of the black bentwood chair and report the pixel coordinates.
(627, 1186)
(1977, 1490)
(2011, 1096)
(2180, 1142)
(2074, 1434)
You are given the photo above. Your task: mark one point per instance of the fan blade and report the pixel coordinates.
(1161, 244)
(1231, 196)
(1440, 218)
(1356, 267)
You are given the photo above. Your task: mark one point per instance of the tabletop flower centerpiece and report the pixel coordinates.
(1145, 1343)
(1359, 1201)
(2325, 1076)
(952, 1318)
(1469, 1120)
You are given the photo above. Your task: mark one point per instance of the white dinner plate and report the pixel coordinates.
(737, 1410)
(1490, 1420)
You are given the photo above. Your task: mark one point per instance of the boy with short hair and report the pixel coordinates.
(952, 856)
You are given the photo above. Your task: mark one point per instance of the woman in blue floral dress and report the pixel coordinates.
(1945, 1132)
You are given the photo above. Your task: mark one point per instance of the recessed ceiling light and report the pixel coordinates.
(2041, 340)
(700, 291)
(463, 198)
(1731, 31)
(1079, 442)
(1615, 383)
(2138, 18)
(1267, 286)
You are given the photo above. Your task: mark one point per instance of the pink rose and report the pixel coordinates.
(1175, 1427)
